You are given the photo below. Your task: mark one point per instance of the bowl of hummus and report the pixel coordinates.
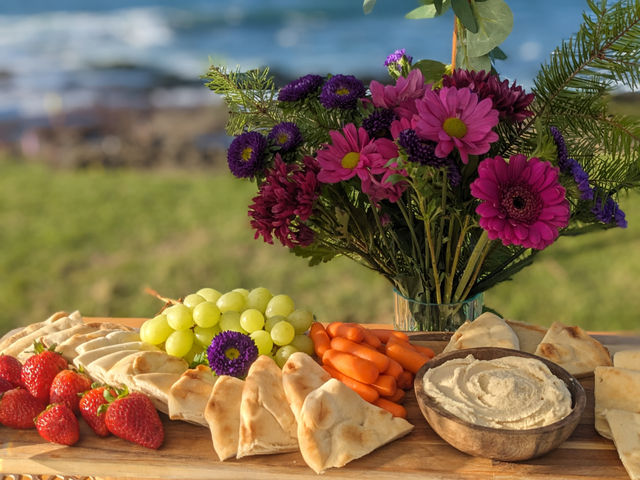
(499, 403)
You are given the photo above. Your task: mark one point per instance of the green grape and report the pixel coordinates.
(203, 336)
(179, 317)
(258, 298)
(209, 294)
(282, 333)
(206, 314)
(279, 305)
(179, 343)
(271, 321)
(231, 321)
(242, 291)
(156, 331)
(283, 354)
(192, 300)
(301, 320)
(231, 302)
(303, 343)
(263, 341)
(251, 320)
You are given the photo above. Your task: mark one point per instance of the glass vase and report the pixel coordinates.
(416, 316)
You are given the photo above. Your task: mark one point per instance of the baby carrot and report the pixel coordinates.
(345, 345)
(384, 333)
(321, 341)
(385, 385)
(397, 397)
(351, 331)
(394, 369)
(405, 380)
(371, 339)
(405, 356)
(365, 391)
(393, 408)
(357, 368)
(424, 350)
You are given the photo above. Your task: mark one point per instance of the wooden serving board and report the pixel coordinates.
(188, 453)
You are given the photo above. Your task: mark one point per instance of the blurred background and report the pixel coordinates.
(113, 171)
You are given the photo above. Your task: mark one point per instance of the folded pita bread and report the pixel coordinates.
(26, 341)
(301, 374)
(97, 368)
(337, 426)
(625, 427)
(55, 338)
(111, 338)
(156, 386)
(189, 395)
(573, 349)
(222, 413)
(614, 388)
(488, 330)
(68, 348)
(529, 335)
(86, 358)
(627, 359)
(14, 335)
(146, 361)
(267, 424)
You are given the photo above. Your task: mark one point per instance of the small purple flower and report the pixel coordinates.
(300, 88)
(396, 57)
(231, 353)
(571, 166)
(453, 172)
(245, 156)
(608, 211)
(377, 124)
(342, 91)
(418, 150)
(285, 135)
(563, 155)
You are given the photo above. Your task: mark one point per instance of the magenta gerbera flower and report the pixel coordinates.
(400, 97)
(455, 118)
(522, 201)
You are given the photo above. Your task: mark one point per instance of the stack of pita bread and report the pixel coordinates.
(298, 407)
(617, 408)
(570, 347)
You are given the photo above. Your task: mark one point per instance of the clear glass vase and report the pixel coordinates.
(416, 316)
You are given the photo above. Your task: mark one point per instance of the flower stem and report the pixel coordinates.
(431, 251)
(454, 43)
(476, 257)
(456, 258)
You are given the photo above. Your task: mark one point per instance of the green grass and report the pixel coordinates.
(92, 240)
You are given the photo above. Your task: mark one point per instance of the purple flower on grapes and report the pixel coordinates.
(231, 353)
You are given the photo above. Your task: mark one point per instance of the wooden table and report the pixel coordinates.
(188, 452)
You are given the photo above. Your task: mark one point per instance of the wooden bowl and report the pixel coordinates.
(494, 443)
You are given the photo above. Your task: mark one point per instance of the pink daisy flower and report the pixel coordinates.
(522, 201)
(454, 118)
(400, 97)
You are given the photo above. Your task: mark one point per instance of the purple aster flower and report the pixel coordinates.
(608, 211)
(510, 101)
(285, 135)
(418, 150)
(231, 353)
(342, 91)
(396, 57)
(453, 172)
(245, 156)
(571, 166)
(378, 123)
(300, 88)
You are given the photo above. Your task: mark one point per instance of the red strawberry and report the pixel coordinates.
(10, 370)
(5, 385)
(58, 424)
(39, 371)
(133, 417)
(89, 405)
(66, 387)
(18, 408)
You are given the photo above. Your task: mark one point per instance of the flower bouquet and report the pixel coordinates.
(447, 179)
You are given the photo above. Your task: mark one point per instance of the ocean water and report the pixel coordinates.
(58, 55)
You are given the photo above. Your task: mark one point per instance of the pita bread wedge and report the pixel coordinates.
(189, 395)
(573, 349)
(111, 338)
(488, 330)
(55, 338)
(614, 388)
(156, 386)
(222, 413)
(98, 367)
(301, 374)
(627, 359)
(86, 358)
(146, 361)
(27, 341)
(625, 427)
(16, 334)
(68, 347)
(337, 426)
(267, 424)
(529, 335)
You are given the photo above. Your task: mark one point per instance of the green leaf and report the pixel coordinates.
(497, 53)
(462, 9)
(367, 6)
(432, 71)
(495, 22)
(438, 5)
(315, 253)
(428, 11)
(474, 63)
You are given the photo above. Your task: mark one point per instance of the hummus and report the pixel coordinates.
(514, 393)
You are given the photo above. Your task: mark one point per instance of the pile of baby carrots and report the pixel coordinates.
(378, 364)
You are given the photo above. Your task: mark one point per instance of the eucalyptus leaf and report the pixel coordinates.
(462, 9)
(478, 64)
(432, 71)
(367, 6)
(497, 54)
(428, 11)
(495, 22)
(438, 5)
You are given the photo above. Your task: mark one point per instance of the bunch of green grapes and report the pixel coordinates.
(186, 329)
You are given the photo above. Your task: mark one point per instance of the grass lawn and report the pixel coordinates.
(92, 240)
